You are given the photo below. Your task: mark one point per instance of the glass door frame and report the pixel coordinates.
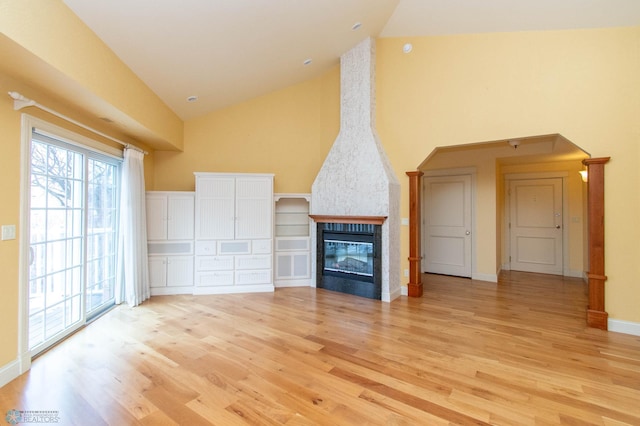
(84, 143)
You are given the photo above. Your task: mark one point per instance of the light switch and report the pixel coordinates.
(405, 221)
(8, 232)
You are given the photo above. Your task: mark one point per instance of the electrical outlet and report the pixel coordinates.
(406, 272)
(8, 232)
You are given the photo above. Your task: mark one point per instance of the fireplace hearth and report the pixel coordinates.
(348, 258)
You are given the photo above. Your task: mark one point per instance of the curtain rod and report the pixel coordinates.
(20, 101)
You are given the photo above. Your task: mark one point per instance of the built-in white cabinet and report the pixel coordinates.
(292, 240)
(170, 241)
(233, 233)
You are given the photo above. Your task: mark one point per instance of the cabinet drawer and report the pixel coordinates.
(206, 248)
(261, 246)
(214, 263)
(253, 277)
(260, 261)
(177, 247)
(213, 278)
(234, 247)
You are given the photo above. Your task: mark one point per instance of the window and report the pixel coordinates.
(72, 236)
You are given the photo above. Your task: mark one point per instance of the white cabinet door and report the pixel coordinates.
(254, 207)
(170, 271)
(157, 271)
(180, 217)
(215, 208)
(156, 216)
(179, 271)
(292, 266)
(230, 207)
(170, 215)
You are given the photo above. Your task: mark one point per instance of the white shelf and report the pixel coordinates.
(292, 231)
(292, 215)
(292, 245)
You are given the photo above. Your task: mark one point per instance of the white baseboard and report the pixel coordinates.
(234, 289)
(573, 274)
(492, 278)
(391, 296)
(9, 372)
(293, 283)
(626, 327)
(168, 291)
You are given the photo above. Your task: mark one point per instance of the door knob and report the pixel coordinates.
(557, 226)
(468, 233)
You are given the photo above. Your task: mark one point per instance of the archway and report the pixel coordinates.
(525, 154)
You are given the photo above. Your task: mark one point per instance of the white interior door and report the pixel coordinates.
(536, 225)
(447, 225)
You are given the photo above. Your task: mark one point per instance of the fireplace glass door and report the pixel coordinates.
(349, 257)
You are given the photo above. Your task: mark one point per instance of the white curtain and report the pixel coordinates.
(132, 268)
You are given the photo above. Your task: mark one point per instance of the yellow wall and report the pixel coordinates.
(9, 215)
(288, 132)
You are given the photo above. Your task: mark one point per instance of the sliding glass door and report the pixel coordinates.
(101, 235)
(72, 237)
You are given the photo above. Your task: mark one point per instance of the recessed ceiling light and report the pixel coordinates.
(192, 98)
(307, 61)
(408, 47)
(356, 26)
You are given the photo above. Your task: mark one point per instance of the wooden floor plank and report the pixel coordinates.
(468, 352)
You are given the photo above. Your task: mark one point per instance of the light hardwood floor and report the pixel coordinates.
(467, 352)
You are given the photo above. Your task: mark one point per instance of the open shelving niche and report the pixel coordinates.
(292, 240)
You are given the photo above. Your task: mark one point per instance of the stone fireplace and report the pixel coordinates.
(356, 188)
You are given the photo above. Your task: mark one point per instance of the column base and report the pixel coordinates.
(414, 290)
(597, 319)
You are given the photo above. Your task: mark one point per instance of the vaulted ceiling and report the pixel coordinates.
(227, 51)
